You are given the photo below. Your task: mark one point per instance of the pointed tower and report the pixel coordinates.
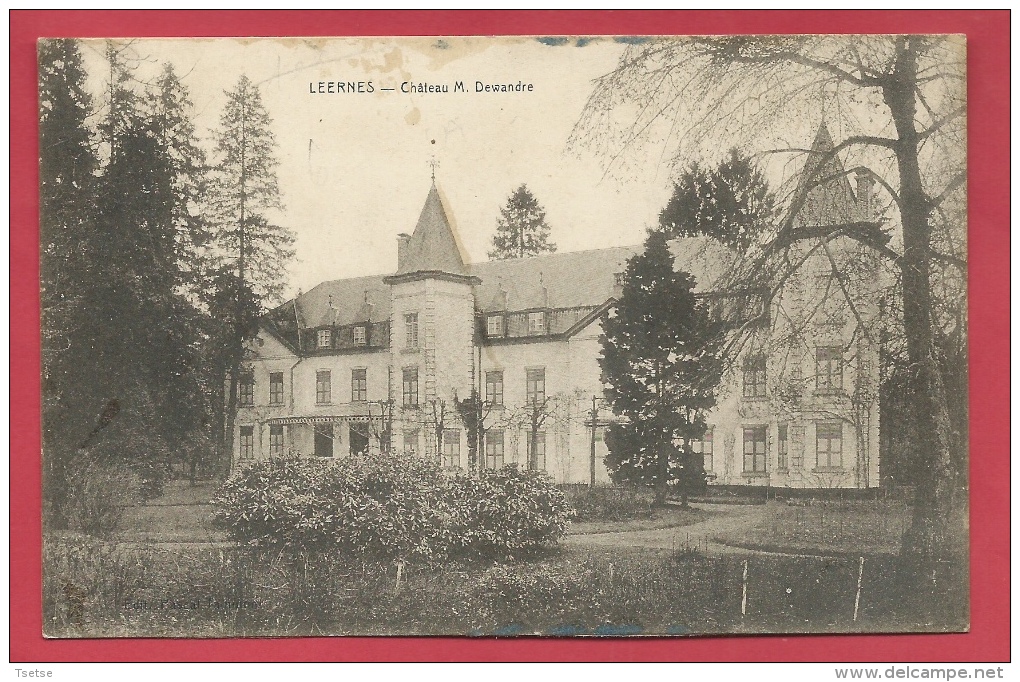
(432, 328)
(823, 190)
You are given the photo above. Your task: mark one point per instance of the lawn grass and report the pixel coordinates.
(827, 527)
(103, 589)
(182, 514)
(668, 517)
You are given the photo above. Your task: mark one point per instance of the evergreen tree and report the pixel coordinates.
(660, 359)
(67, 167)
(252, 251)
(521, 229)
(185, 167)
(731, 203)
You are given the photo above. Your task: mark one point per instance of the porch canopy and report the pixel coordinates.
(351, 413)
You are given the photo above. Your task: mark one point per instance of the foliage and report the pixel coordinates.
(521, 229)
(731, 203)
(99, 589)
(388, 507)
(249, 251)
(899, 104)
(603, 503)
(507, 512)
(121, 376)
(97, 496)
(660, 360)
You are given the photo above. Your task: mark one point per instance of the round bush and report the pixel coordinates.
(508, 511)
(389, 506)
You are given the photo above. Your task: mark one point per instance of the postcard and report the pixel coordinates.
(490, 337)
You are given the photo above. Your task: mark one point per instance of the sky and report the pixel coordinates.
(355, 168)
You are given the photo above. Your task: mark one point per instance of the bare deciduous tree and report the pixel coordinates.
(898, 104)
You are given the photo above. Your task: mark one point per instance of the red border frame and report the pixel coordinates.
(988, 53)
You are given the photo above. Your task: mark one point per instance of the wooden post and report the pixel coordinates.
(857, 599)
(743, 595)
(594, 425)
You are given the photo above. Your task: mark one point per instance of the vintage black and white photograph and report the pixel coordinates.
(521, 336)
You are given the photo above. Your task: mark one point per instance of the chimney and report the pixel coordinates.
(865, 186)
(402, 239)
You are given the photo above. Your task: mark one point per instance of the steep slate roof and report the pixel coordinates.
(829, 197)
(557, 280)
(433, 245)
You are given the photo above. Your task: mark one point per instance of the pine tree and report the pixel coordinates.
(521, 229)
(253, 252)
(660, 359)
(731, 203)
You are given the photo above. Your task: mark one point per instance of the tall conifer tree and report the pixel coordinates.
(660, 359)
(521, 230)
(253, 251)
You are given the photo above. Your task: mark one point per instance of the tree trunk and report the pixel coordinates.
(662, 485)
(227, 451)
(927, 536)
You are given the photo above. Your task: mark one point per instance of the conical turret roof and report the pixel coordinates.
(433, 246)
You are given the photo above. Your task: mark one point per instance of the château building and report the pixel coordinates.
(381, 362)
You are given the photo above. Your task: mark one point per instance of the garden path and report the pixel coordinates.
(725, 519)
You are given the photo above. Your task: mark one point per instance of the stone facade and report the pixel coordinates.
(379, 362)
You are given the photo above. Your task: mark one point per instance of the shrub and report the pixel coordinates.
(97, 495)
(377, 507)
(617, 503)
(508, 511)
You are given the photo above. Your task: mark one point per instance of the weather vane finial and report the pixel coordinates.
(433, 163)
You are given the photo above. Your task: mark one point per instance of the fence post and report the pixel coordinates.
(743, 593)
(857, 599)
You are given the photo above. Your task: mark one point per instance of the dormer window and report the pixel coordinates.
(494, 325)
(360, 337)
(536, 323)
(325, 338)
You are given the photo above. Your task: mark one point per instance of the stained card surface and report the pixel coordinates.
(556, 336)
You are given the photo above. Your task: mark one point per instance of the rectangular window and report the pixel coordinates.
(247, 442)
(451, 448)
(706, 448)
(829, 445)
(411, 441)
(782, 447)
(411, 330)
(536, 323)
(360, 336)
(754, 376)
(359, 385)
(536, 386)
(494, 450)
(536, 459)
(494, 388)
(246, 390)
(275, 440)
(276, 388)
(323, 391)
(828, 369)
(494, 326)
(755, 445)
(325, 338)
(411, 386)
